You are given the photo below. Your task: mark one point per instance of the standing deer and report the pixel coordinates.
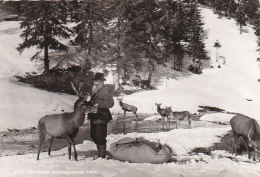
(65, 125)
(183, 115)
(249, 130)
(127, 107)
(163, 112)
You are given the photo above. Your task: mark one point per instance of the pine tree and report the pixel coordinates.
(43, 24)
(138, 34)
(241, 17)
(123, 56)
(258, 45)
(250, 8)
(257, 25)
(173, 31)
(196, 46)
(182, 31)
(91, 29)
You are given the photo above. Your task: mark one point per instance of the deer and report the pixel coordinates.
(127, 108)
(65, 125)
(182, 115)
(249, 130)
(163, 112)
(136, 81)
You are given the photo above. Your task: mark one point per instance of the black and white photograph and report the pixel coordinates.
(130, 88)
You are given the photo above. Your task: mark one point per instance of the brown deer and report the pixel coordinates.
(182, 115)
(163, 112)
(249, 130)
(128, 108)
(65, 125)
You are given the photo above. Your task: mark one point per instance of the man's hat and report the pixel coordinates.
(99, 77)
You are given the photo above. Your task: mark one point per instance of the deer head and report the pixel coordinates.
(251, 142)
(168, 108)
(89, 108)
(83, 99)
(254, 144)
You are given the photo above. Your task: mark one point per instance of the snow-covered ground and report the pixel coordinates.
(229, 88)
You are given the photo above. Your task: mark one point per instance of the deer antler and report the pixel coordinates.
(76, 91)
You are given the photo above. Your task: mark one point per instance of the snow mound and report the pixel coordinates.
(222, 118)
(153, 117)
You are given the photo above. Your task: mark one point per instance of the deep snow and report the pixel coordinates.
(229, 88)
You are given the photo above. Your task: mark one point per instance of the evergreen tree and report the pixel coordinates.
(257, 24)
(43, 24)
(139, 34)
(91, 29)
(241, 17)
(174, 28)
(196, 46)
(258, 45)
(182, 31)
(123, 56)
(250, 8)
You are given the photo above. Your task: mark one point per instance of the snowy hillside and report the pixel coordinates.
(233, 87)
(229, 87)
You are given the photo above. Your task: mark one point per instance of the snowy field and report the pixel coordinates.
(229, 88)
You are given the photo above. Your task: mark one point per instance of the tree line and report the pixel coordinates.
(243, 11)
(128, 35)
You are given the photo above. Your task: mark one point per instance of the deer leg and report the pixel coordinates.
(124, 113)
(49, 150)
(69, 150)
(176, 121)
(136, 125)
(41, 141)
(69, 145)
(136, 116)
(169, 121)
(75, 152)
(162, 121)
(247, 147)
(189, 121)
(72, 142)
(234, 144)
(254, 155)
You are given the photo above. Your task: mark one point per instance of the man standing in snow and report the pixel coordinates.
(99, 120)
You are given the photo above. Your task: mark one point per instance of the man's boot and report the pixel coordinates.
(102, 151)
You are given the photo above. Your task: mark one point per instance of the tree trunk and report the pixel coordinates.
(46, 60)
(150, 75)
(90, 23)
(174, 62)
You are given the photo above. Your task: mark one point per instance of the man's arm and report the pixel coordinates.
(105, 99)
